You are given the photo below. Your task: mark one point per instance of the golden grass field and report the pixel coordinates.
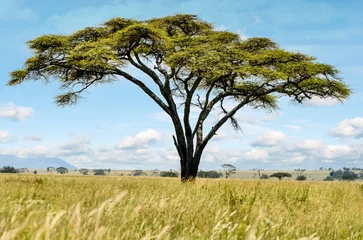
(111, 207)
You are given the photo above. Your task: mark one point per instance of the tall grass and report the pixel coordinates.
(70, 207)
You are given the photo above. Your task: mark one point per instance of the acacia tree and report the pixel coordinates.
(229, 169)
(187, 60)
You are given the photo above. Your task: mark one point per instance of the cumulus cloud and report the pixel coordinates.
(321, 102)
(308, 145)
(272, 138)
(6, 137)
(78, 146)
(257, 154)
(17, 113)
(337, 151)
(348, 128)
(141, 140)
(32, 152)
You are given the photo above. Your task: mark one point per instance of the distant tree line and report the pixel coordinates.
(345, 174)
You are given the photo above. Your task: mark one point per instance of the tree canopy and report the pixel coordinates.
(186, 59)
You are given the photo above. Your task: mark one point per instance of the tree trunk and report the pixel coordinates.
(189, 169)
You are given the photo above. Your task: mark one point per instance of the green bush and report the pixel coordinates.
(138, 173)
(8, 169)
(209, 174)
(264, 176)
(100, 172)
(281, 175)
(329, 178)
(168, 174)
(301, 178)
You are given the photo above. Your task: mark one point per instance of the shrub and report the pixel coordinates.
(209, 174)
(264, 176)
(281, 175)
(99, 172)
(349, 176)
(8, 169)
(168, 174)
(301, 178)
(62, 170)
(329, 178)
(138, 173)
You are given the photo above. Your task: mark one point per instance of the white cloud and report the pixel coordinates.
(78, 146)
(272, 138)
(6, 137)
(293, 127)
(348, 128)
(321, 102)
(308, 145)
(257, 154)
(33, 152)
(140, 140)
(337, 151)
(33, 138)
(13, 112)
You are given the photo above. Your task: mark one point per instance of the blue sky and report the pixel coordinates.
(116, 126)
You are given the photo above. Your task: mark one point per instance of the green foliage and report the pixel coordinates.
(281, 175)
(8, 169)
(209, 174)
(264, 176)
(62, 170)
(329, 178)
(349, 176)
(99, 172)
(96, 54)
(301, 178)
(229, 169)
(345, 175)
(138, 173)
(168, 174)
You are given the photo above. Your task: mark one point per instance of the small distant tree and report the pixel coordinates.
(329, 178)
(301, 178)
(8, 169)
(84, 171)
(209, 174)
(23, 170)
(336, 174)
(349, 176)
(168, 174)
(50, 169)
(138, 173)
(281, 175)
(35, 172)
(229, 169)
(155, 173)
(62, 170)
(99, 172)
(264, 176)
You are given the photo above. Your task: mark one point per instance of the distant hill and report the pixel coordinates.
(33, 163)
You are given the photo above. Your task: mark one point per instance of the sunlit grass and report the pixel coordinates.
(71, 207)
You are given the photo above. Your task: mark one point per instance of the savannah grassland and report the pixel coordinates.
(113, 207)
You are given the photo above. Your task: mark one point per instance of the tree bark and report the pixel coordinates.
(189, 169)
